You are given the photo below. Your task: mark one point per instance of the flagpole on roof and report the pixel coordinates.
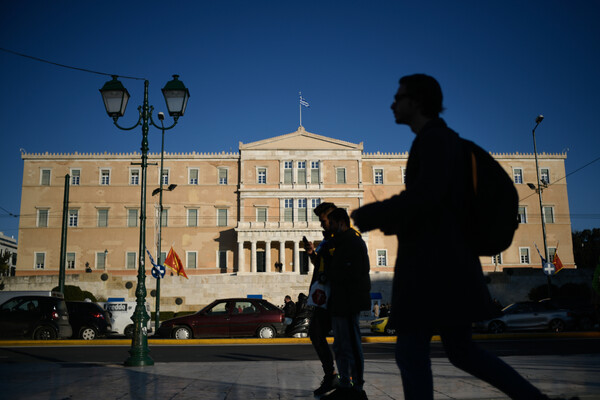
(300, 106)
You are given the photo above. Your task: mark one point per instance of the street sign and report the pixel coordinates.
(158, 272)
(549, 268)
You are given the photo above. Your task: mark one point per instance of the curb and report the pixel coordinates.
(253, 341)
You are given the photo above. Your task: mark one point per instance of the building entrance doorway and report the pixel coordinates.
(260, 261)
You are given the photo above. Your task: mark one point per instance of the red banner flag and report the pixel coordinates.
(559, 265)
(174, 262)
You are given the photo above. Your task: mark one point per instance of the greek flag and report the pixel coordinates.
(304, 102)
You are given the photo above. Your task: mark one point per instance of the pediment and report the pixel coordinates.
(300, 140)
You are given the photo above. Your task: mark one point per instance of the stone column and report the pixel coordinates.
(268, 256)
(253, 257)
(296, 257)
(282, 254)
(241, 260)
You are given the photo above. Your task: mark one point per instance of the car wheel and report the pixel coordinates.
(128, 332)
(182, 332)
(266, 332)
(557, 325)
(390, 331)
(88, 333)
(44, 333)
(496, 327)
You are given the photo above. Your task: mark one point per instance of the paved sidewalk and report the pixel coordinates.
(283, 380)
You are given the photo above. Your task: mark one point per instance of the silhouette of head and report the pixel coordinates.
(426, 91)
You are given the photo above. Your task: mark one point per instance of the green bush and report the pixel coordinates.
(74, 293)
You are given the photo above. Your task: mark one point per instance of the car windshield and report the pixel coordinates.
(268, 306)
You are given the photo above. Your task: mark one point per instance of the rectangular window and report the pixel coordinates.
(522, 214)
(73, 218)
(102, 218)
(165, 177)
(134, 176)
(548, 215)
(193, 176)
(314, 172)
(302, 215)
(314, 203)
(222, 176)
(164, 217)
(544, 176)
(163, 257)
(75, 176)
(40, 260)
(287, 172)
(340, 175)
(132, 217)
(223, 260)
(42, 220)
(100, 260)
(497, 259)
(301, 171)
(262, 175)
(45, 177)
(105, 176)
(70, 260)
(524, 255)
(221, 217)
(378, 177)
(381, 258)
(288, 211)
(261, 214)
(518, 175)
(191, 260)
(131, 257)
(551, 254)
(404, 175)
(192, 217)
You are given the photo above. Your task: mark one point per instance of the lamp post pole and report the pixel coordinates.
(538, 120)
(115, 98)
(160, 210)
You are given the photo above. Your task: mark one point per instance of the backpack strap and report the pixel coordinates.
(474, 171)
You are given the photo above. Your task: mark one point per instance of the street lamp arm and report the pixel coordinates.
(175, 119)
(138, 123)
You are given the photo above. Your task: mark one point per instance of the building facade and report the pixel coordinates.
(8, 248)
(245, 213)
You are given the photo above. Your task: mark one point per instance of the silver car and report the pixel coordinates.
(528, 315)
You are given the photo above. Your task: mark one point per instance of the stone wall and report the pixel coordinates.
(198, 291)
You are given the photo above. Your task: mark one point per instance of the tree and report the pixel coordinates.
(5, 263)
(586, 248)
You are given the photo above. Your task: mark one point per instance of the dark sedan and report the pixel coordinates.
(227, 318)
(88, 320)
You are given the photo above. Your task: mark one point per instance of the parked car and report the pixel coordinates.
(88, 320)
(528, 315)
(35, 317)
(121, 313)
(227, 318)
(379, 325)
(585, 316)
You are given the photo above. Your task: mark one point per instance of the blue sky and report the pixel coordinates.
(500, 64)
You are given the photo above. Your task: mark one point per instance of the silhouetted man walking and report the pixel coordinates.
(438, 282)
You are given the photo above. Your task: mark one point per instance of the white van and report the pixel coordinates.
(5, 296)
(120, 316)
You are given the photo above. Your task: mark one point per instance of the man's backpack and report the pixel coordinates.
(493, 202)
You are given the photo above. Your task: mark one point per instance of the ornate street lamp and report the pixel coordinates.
(115, 98)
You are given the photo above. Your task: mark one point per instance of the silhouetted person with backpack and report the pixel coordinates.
(438, 282)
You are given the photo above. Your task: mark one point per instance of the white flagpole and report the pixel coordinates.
(300, 106)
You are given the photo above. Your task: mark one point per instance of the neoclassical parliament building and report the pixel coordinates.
(245, 213)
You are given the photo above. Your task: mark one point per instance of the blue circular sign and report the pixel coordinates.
(549, 268)
(158, 272)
